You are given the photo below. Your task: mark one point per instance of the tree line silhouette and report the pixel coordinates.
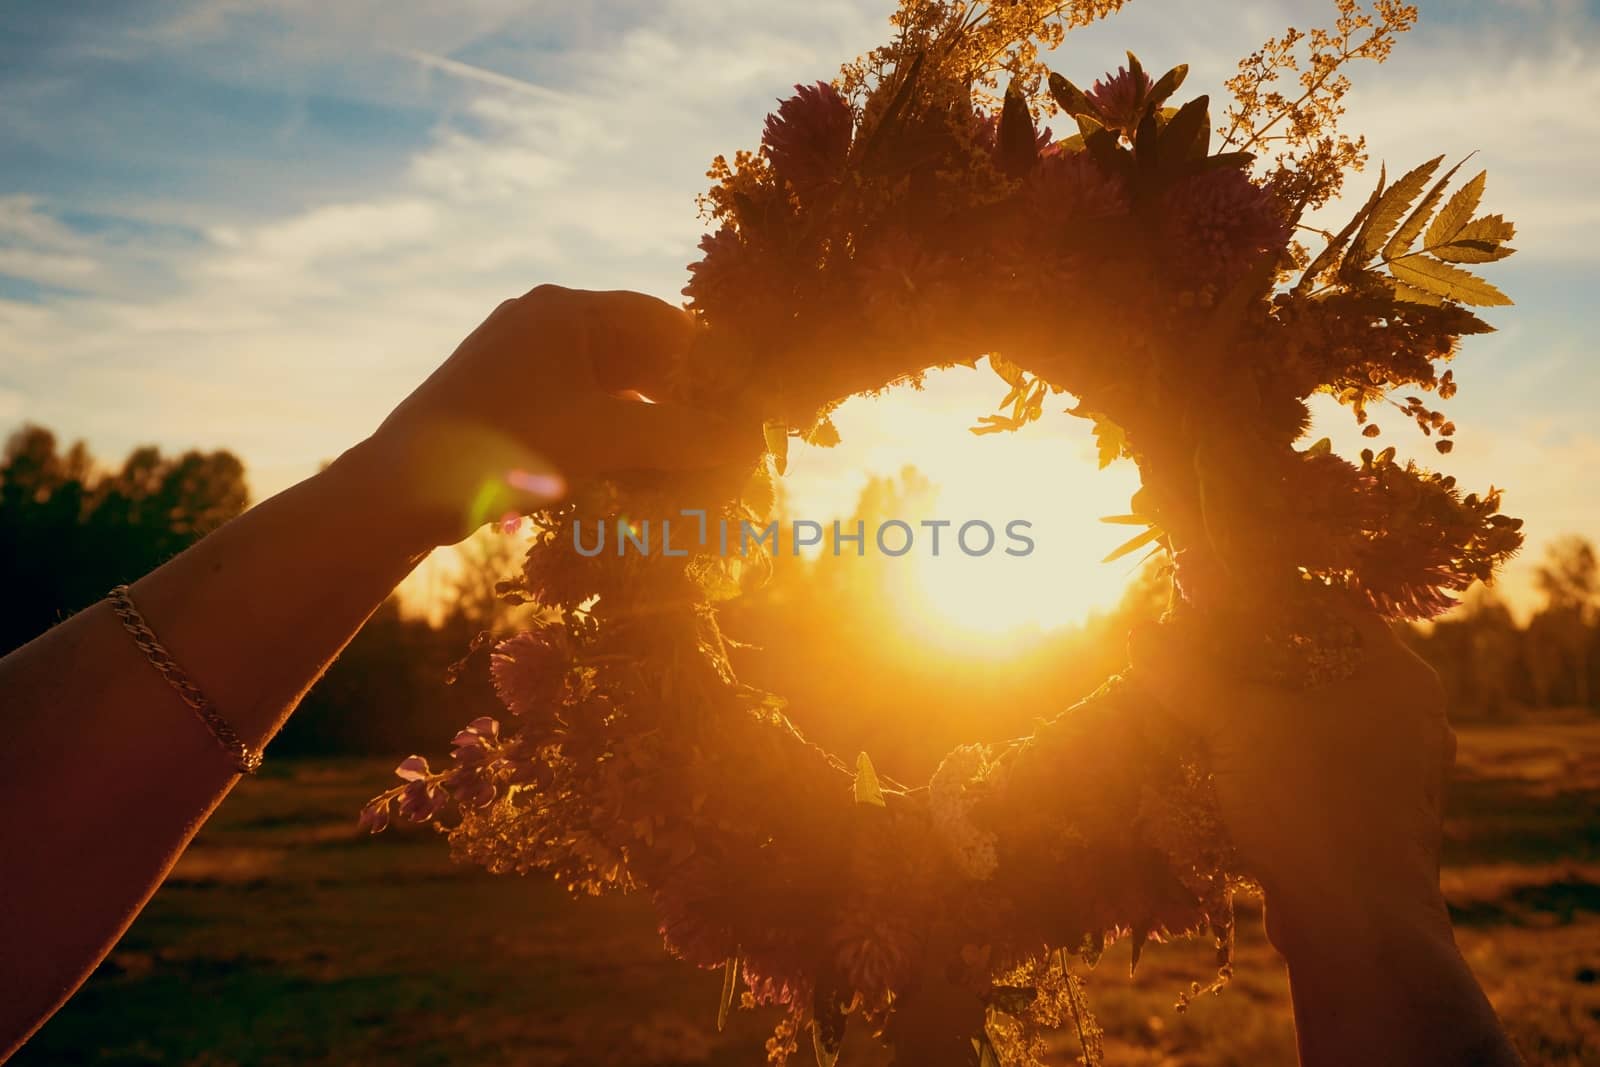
(821, 631)
(71, 529)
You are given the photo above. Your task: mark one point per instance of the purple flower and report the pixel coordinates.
(808, 138)
(480, 734)
(412, 768)
(472, 785)
(1120, 99)
(719, 269)
(375, 816)
(1069, 186)
(1214, 225)
(421, 800)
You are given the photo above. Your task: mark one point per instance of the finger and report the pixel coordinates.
(615, 434)
(633, 341)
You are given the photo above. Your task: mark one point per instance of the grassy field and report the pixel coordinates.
(284, 937)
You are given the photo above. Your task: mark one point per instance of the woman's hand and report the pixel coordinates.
(546, 393)
(1331, 796)
(123, 773)
(1331, 790)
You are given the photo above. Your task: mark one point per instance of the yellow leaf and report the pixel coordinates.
(1452, 283)
(1479, 241)
(867, 789)
(824, 434)
(1109, 439)
(730, 980)
(1008, 371)
(1455, 213)
(1391, 205)
(777, 435)
(1401, 242)
(1472, 251)
(1133, 544)
(1412, 295)
(1488, 228)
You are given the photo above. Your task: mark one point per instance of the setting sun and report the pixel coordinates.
(1044, 475)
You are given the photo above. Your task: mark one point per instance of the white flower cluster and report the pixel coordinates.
(950, 802)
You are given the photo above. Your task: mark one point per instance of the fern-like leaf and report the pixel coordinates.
(1452, 283)
(1447, 224)
(1110, 439)
(1388, 211)
(1479, 241)
(1410, 229)
(1412, 295)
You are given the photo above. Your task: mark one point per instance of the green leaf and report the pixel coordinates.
(1388, 210)
(1168, 84)
(730, 983)
(1135, 68)
(777, 435)
(1133, 544)
(867, 789)
(1187, 135)
(1018, 141)
(1403, 237)
(890, 116)
(1070, 98)
(1110, 440)
(1452, 283)
(1447, 224)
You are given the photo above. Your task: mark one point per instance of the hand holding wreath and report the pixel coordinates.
(912, 216)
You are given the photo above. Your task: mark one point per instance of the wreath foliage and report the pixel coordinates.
(910, 215)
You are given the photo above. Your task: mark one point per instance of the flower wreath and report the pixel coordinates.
(909, 216)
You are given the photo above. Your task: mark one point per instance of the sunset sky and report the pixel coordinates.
(258, 225)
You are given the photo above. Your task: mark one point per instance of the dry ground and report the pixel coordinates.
(284, 937)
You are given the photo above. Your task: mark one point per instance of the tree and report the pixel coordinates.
(69, 530)
(1569, 577)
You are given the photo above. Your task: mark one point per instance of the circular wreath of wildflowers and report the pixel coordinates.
(909, 216)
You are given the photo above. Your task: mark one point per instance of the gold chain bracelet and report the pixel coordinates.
(246, 759)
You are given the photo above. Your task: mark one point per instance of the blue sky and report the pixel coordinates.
(257, 225)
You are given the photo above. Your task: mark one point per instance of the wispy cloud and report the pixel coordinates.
(369, 195)
(480, 75)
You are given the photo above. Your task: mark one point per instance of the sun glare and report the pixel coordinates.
(1044, 475)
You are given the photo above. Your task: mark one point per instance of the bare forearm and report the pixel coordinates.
(111, 774)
